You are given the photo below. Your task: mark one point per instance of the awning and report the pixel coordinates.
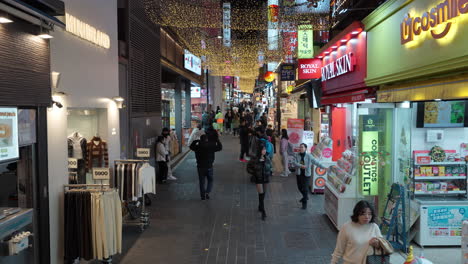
(348, 97)
(445, 89)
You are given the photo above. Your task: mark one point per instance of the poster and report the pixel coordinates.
(26, 126)
(446, 221)
(8, 133)
(308, 139)
(295, 132)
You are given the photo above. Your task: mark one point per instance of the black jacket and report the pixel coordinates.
(205, 152)
(244, 135)
(260, 170)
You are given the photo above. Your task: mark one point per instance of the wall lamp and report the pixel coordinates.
(44, 33)
(5, 18)
(119, 100)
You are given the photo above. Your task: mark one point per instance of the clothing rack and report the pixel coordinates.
(144, 216)
(95, 187)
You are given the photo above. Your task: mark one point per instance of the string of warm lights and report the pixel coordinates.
(199, 23)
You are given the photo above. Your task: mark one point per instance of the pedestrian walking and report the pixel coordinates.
(219, 121)
(285, 152)
(356, 236)
(161, 158)
(228, 118)
(206, 120)
(244, 141)
(272, 137)
(261, 169)
(205, 149)
(236, 124)
(264, 120)
(166, 133)
(304, 162)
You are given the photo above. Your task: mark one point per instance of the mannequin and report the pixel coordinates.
(77, 149)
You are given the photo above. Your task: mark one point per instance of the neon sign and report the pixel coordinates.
(340, 66)
(442, 14)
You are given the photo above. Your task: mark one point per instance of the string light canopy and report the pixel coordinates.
(198, 24)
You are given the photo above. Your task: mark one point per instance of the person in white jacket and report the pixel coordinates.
(356, 236)
(161, 158)
(196, 134)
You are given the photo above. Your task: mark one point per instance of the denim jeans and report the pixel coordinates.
(202, 174)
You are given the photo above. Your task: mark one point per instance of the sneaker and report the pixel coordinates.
(243, 160)
(203, 198)
(171, 178)
(207, 196)
(284, 175)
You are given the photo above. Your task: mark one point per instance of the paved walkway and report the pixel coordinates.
(227, 229)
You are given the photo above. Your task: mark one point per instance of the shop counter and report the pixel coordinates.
(338, 207)
(440, 221)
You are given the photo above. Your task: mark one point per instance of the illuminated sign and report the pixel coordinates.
(273, 24)
(87, 32)
(195, 92)
(340, 66)
(305, 42)
(192, 62)
(287, 72)
(369, 161)
(442, 14)
(227, 24)
(8, 133)
(309, 69)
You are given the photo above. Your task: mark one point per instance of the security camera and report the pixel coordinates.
(58, 104)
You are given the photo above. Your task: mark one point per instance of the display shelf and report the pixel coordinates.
(439, 192)
(441, 163)
(422, 178)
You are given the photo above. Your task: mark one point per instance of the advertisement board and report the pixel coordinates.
(295, 132)
(8, 133)
(195, 92)
(288, 72)
(192, 62)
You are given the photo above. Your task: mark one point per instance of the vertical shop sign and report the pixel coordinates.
(289, 34)
(305, 42)
(8, 133)
(273, 29)
(227, 24)
(369, 156)
(288, 72)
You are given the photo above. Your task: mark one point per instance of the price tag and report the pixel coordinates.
(143, 152)
(72, 163)
(101, 174)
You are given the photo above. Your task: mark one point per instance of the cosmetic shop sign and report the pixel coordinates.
(341, 65)
(369, 157)
(8, 133)
(309, 69)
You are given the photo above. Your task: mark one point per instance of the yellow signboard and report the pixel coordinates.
(370, 161)
(305, 45)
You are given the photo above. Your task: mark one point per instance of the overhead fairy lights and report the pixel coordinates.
(199, 24)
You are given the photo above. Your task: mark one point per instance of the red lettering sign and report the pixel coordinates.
(309, 69)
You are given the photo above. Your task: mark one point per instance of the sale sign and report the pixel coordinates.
(309, 69)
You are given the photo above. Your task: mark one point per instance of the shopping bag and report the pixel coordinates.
(378, 259)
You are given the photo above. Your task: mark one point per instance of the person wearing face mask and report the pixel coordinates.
(303, 162)
(356, 236)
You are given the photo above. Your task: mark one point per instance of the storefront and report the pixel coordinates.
(85, 85)
(423, 83)
(343, 70)
(25, 99)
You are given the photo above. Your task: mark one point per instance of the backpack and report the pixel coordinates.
(268, 146)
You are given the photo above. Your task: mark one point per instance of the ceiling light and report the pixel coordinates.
(326, 52)
(334, 47)
(118, 98)
(220, 37)
(437, 99)
(320, 57)
(344, 40)
(4, 20)
(355, 32)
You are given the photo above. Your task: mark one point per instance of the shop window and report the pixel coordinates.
(87, 143)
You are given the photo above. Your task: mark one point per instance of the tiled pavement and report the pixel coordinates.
(227, 229)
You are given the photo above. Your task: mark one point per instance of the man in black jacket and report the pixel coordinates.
(205, 149)
(244, 141)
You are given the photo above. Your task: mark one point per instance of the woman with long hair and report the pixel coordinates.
(356, 236)
(304, 162)
(284, 145)
(261, 169)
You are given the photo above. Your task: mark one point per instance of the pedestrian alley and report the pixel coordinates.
(228, 229)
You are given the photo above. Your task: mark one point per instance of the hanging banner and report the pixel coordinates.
(309, 69)
(9, 133)
(227, 24)
(288, 72)
(295, 132)
(305, 42)
(273, 28)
